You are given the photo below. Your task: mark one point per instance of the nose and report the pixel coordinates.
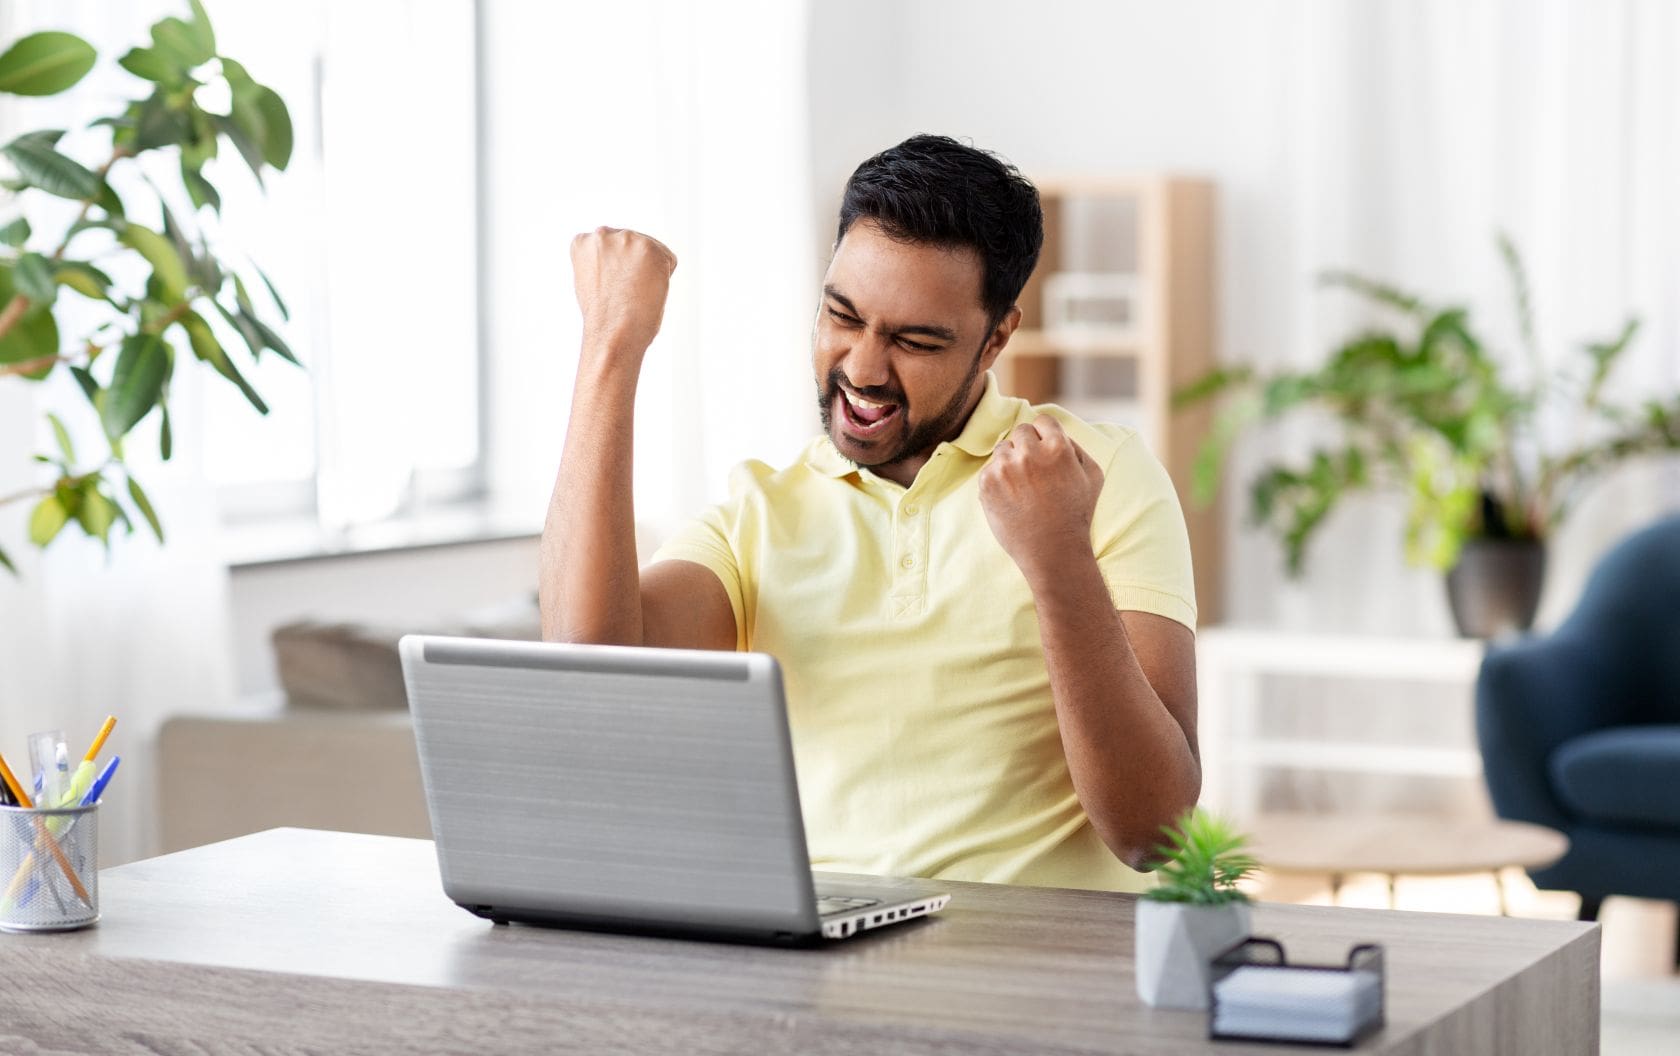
(868, 362)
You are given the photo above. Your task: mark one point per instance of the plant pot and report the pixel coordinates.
(1494, 590)
(1176, 942)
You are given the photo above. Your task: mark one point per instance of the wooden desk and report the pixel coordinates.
(293, 942)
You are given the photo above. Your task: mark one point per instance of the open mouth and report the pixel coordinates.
(865, 418)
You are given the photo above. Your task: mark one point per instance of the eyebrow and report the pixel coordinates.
(943, 333)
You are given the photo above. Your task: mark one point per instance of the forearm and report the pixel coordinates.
(589, 580)
(1134, 767)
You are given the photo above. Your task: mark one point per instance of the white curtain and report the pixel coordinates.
(686, 121)
(140, 634)
(1407, 132)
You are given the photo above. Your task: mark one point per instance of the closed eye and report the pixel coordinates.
(917, 346)
(843, 319)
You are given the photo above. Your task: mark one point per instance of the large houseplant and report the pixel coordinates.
(1195, 912)
(121, 344)
(1426, 407)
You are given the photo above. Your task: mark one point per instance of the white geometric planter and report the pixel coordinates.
(1175, 942)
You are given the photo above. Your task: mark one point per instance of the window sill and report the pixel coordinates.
(276, 543)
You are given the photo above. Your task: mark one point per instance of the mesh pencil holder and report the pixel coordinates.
(49, 868)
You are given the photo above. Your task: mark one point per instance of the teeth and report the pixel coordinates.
(859, 401)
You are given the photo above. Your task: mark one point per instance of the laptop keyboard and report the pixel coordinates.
(834, 904)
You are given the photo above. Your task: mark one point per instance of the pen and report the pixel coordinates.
(91, 797)
(41, 831)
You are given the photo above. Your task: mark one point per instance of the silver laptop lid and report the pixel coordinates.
(650, 785)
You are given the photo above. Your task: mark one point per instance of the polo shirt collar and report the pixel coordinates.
(994, 416)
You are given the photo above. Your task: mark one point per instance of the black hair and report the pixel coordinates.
(934, 190)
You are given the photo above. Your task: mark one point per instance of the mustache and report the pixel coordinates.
(878, 393)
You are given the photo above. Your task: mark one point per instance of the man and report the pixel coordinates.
(983, 610)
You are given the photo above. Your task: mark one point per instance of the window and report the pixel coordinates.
(371, 235)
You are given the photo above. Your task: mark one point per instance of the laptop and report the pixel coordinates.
(626, 789)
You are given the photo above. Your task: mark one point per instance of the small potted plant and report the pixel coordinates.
(1195, 911)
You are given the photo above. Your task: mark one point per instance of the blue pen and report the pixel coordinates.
(98, 787)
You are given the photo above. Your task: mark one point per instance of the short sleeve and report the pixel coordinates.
(1142, 544)
(713, 541)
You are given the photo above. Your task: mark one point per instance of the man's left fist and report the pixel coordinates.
(1039, 491)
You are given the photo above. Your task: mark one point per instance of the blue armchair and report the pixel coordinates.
(1580, 730)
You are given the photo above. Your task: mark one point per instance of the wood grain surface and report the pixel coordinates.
(299, 942)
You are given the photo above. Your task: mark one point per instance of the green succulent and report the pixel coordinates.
(1202, 862)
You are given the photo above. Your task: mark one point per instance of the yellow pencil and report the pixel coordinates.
(99, 741)
(82, 779)
(41, 831)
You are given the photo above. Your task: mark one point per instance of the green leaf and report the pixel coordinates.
(160, 124)
(35, 280)
(96, 513)
(40, 165)
(249, 149)
(15, 233)
(200, 27)
(84, 379)
(1605, 355)
(109, 201)
(47, 519)
(84, 278)
(166, 434)
(200, 190)
(1519, 288)
(271, 340)
(152, 65)
(207, 348)
(1380, 292)
(200, 146)
(45, 63)
(277, 142)
(144, 505)
(1211, 384)
(285, 315)
(160, 253)
(184, 45)
(62, 435)
(35, 336)
(136, 384)
(241, 324)
(7, 562)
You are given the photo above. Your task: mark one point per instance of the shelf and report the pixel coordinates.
(1035, 342)
(1356, 757)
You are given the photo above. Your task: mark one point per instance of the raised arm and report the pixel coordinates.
(590, 587)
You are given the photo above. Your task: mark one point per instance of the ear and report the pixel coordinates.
(1000, 337)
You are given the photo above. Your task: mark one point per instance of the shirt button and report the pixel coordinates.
(911, 510)
(908, 562)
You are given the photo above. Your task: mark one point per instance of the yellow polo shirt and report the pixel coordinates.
(924, 732)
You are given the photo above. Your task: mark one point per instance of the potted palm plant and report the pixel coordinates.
(1195, 911)
(1425, 406)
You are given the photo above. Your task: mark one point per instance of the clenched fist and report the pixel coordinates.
(1039, 492)
(621, 278)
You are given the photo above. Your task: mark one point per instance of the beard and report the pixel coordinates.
(919, 437)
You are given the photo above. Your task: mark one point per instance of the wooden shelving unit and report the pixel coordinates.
(1159, 230)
